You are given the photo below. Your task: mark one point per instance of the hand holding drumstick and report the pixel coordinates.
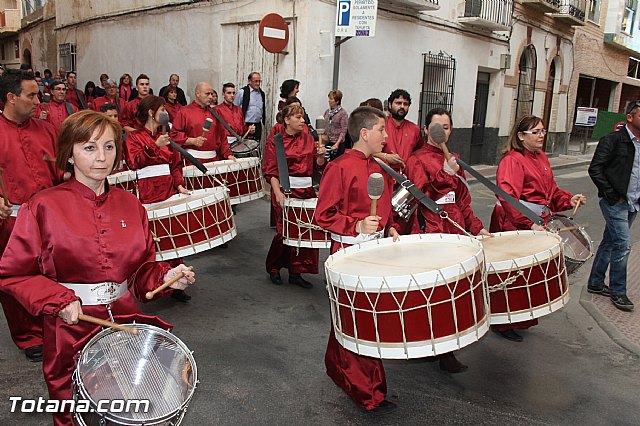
(72, 313)
(177, 278)
(576, 201)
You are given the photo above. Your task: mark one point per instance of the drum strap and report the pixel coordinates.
(502, 193)
(283, 167)
(225, 124)
(190, 158)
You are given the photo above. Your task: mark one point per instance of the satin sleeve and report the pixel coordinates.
(139, 154)
(510, 178)
(330, 204)
(178, 126)
(270, 162)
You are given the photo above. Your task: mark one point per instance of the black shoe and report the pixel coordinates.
(508, 334)
(34, 353)
(275, 278)
(604, 291)
(386, 407)
(450, 364)
(622, 302)
(298, 280)
(180, 296)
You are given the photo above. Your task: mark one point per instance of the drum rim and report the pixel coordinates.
(301, 202)
(527, 260)
(216, 195)
(130, 173)
(569, 221)
(422, 280)
(222, 166)
(175, 339)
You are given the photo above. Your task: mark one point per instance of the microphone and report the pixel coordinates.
(438, 135)
(375, 188)
(163, 120)
(206, 126)
(321, 125)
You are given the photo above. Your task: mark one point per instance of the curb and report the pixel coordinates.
(604, 323)
(472, 180)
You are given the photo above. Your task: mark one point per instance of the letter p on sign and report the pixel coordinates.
(344, 13)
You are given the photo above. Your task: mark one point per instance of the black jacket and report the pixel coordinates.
(610, 168)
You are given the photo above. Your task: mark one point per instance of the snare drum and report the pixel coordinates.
(151, 365)
(246, 148)
(298, 228)
(576, 243)
(127, 180)
(421, 296)
(526, 276)
(242, 177)
(188, 224)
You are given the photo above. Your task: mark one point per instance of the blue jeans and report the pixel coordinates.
(613, 251)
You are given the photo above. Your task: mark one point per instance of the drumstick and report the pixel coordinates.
(150, 294)
(47, 158)
(105, 323)
(575, 209)
(3, 188)
(571, 228)
(438, 135)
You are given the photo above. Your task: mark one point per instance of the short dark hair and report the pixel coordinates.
(47, 71)
(399, 93)
(227, 85)
(373, 102)
(142, 77)
(364, 117)
(150, 102)
(54, 83)
(71, 72)
(631, 106)
(104, 77)
(291, 100)
(107, 107)
(436, 111)
(251, 74)
(287, 87)
(11, 82)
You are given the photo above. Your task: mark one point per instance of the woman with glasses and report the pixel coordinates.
(525, 173)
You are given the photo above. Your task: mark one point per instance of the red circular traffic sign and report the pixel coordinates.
(273, 33)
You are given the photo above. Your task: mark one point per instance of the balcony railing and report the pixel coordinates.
(572, 12)
(417, 5)
(9, 21)
(552, 6)
(492, 15)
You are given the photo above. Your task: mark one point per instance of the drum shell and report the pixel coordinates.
(403, 203)
(246, 149)
(527, 287)
(127, 180)
(298, 227)
(577, 245)
(427, 316)
(191, 227)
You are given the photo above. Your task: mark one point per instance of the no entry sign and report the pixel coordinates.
(273, 33)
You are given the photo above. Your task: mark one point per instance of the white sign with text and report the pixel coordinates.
(356, 18)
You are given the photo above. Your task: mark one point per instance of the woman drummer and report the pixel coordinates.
(302, 156)
(525, 173)
(82, 247)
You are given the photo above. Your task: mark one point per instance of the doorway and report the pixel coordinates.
(479, 117)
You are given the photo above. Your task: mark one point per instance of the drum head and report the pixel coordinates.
(577, 244)
(245, 147)
(152, 364)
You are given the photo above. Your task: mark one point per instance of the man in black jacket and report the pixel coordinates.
(615, 169)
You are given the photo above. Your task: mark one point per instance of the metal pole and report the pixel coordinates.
(336, 60)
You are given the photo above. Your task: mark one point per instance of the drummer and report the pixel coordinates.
(82, 247)
(344, 209)
(187, 128)
(442, 180)
(232, 114)
(158, 166)
(302, 156)
(525, 173)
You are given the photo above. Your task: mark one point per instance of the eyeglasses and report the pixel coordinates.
(542, 132)
(59, 89)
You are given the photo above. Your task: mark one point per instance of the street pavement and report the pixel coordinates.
(260, 349)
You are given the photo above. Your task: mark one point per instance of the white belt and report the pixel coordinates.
(14, 210)
(231, 139)
(539, 209)
(300, 182)
(361, 238)
(98, 293)
(202, 154)
(153, 171)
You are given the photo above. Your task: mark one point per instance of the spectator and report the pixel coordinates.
(111, 97)
(373, 102)
(289, 88)
(126, 91)
(252, 100)
(48, 77)
(174, 80)
(62, 74)
(101, 90)
(75, 96)
(336, 119)
(170, 95)
(90, 92)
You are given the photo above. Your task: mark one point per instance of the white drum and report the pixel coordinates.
(127, 180)
(298, 228)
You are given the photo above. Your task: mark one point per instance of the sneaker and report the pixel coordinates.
(622, 302)
(604, 291)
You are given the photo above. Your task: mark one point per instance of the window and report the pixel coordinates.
(628, 16)
(67, 56)
(634, 68)
(594, 11)
(17, 46)
(438, 76)
(526, 81)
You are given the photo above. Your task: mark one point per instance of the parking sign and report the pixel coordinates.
(356, 18)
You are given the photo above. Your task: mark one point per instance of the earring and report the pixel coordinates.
(71, 161)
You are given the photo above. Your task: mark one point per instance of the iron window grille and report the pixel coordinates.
(438, 78)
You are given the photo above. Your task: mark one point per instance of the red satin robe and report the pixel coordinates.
(56, 113)
(141, 151)
(403, 139)
(98, 102)
(301, 153)
(128, 116)
(188, 124)
(72, 98)
(526, 177)
(172, 109)
(425, 170)
(343, 201)
(233, 116)
(26, 172)
(68, 234)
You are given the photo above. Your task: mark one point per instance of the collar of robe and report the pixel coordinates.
(87, 192)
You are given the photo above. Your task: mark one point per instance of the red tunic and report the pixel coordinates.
(26, 172)
(233, 116)
(425, 170)
(526, 177)
(128, 116)
(172, 109)
(98, 102)
(56, 113)
(301, 153)
(141, 151)
(87, 243)
(188, 124)
(402, 139)
(343, 201)
(72, 98)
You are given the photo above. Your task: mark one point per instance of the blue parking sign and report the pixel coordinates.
(344, 13)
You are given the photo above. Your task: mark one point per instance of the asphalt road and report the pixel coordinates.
(260, 350)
